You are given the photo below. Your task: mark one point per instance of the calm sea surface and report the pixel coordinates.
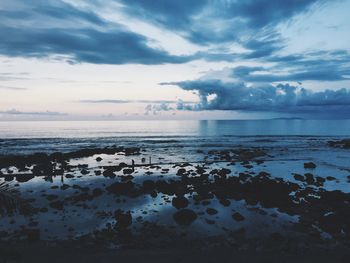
(27, 137)
(88, 129)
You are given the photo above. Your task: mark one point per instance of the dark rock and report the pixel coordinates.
(57, 205)
(225, 202)
(128, 171)
(180, 202)
(209, 222)
(211, 211)
(153, 194)
(223, 172)
(124, 220)
(340, 144)
(181, 171)
(24, 178)
(109, 173)
(309, 178)
(238, 217)
(309, 165)
(185, 217)
(31, 234)
(330, 178)
(84, 171)
(148, 185)
(299, 177)
(51, 197)
(65, 186)
(97, 192)
(99, 159)
(8, 177)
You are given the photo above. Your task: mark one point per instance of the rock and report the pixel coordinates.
(340, 144)
(84, 172)
(148, 185)
(65, 186)
(43, 210)
(154, 194)
(181, 171)
(320, 179)
(185, 217)
(223, 172)
(8, 177)
(299, 177)
(57, 205)
(128, 171)
(330, 178)
(211, 211)
(124, 220)
(24, 178)
(180, 202)
(68, 176)
(200, 170)
(209, 222)
(31, 234)
(238, 217)
(99, 159)
(97, 192)
(225, 202)
(51, 197)
(109, 173)
(309, 178)
(309, 165)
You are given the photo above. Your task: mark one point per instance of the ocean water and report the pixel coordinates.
(88, 129)
(46, 136)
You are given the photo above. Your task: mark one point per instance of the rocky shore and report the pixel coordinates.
(115, 200)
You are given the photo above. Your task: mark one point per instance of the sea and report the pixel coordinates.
(50, 136)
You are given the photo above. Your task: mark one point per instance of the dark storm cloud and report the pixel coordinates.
(272, 98)
(42, 29)
(318, 66)
(83, 45)
(52, 10)
(192, 18)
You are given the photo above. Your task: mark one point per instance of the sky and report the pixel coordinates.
(167, 59)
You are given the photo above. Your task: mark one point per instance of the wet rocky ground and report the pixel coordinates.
(264, 197)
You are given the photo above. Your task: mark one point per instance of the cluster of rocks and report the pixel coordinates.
(345, 143)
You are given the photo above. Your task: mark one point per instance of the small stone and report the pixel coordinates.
(238, 217)
(211, 211)
(185, 217)
(309, 165)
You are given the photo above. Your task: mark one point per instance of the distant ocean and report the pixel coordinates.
(47, 136)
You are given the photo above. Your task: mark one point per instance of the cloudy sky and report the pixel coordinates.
(174, 59)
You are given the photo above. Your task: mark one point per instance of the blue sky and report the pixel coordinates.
(167, 59)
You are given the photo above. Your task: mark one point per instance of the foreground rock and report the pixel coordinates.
(180, 202)
(185, 217)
